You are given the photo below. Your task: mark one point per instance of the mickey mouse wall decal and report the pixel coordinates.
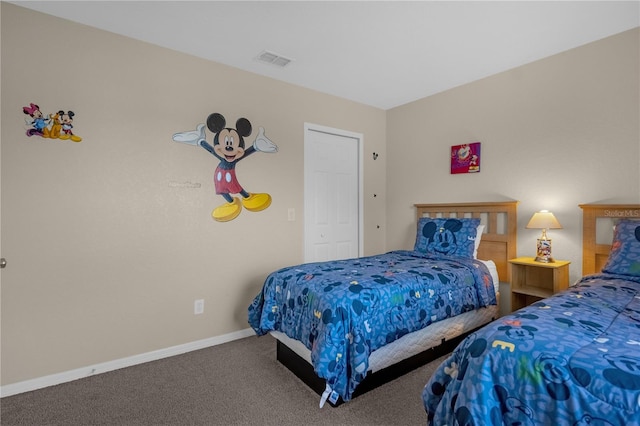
(56, 126)
(229, 148)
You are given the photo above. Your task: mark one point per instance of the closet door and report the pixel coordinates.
(332, 194)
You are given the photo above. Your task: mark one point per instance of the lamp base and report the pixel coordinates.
(543, 251)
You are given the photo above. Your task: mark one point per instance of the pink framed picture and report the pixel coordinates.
(465, 158)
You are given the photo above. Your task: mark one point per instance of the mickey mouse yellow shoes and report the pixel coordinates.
(227, 211)
(253, 203)
(256, 202)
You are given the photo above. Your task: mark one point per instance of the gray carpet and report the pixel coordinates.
(237, 383)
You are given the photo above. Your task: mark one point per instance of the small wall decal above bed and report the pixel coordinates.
(50, 126)
(465, 158)
(229, 148)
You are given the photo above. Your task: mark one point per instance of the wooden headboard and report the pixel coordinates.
(499, 240)
(595, 253)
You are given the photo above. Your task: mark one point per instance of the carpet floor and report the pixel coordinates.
(236, 383)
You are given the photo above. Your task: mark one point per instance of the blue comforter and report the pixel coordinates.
(572, 359)
(343, 310)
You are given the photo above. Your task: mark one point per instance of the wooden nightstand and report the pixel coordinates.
(532, 281)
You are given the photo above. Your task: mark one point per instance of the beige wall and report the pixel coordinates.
(108, 245)
(107, 248)
(555, 133)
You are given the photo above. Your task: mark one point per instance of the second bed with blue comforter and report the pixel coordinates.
(572, 359)
(344, 310)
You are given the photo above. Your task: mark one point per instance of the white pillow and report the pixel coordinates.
(479, 231)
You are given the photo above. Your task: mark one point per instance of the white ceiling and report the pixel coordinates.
(379, 53)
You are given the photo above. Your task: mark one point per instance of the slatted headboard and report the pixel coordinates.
(594, 252)
(499, 240)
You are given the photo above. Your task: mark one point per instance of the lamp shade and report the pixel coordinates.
(543, 219)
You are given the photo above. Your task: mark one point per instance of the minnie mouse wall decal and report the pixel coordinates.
(55, 126)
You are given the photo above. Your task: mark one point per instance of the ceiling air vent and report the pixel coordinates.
(273, 59)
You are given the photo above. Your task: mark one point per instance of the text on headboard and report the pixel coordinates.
(622, 213)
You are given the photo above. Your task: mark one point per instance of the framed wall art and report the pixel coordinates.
(465, 158)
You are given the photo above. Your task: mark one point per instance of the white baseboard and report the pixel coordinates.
(80, 373)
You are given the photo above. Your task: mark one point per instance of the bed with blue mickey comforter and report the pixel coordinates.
(345, 309)
(571, 359)
(342, 311)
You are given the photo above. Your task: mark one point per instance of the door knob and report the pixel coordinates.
(3, 263)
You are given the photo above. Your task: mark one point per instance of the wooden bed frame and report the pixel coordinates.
(498, 243)
(595, 253)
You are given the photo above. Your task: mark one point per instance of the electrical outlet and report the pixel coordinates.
(198, 307)
(291, 215)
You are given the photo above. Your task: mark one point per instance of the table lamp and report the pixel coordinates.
(544, 220)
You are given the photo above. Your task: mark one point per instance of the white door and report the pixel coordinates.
(332, 194)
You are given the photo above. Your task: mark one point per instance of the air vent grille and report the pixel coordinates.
(273, 59)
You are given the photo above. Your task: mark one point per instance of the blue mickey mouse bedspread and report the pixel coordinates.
(571, 359)
(344, 310)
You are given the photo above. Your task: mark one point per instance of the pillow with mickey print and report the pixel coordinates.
(624, 258)
(447, 236)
